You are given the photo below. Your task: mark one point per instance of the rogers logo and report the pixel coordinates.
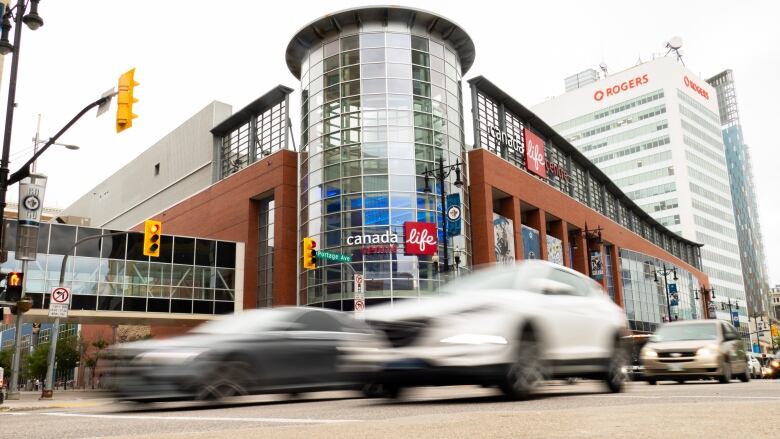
(420, 238)
(623, 86)
(695, 87)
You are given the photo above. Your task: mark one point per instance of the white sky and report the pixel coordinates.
(189, 53)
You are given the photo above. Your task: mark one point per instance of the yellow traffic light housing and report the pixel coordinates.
(309, 253)
(774, 331)
(125, 101)
(13, 286)
(152, 234)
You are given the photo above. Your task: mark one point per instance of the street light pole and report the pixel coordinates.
(440, 176)
(665, 272)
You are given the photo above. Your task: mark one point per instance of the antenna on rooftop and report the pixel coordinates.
(674, 44)
(603, 67)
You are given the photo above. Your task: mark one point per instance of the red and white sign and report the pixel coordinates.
(60, 295)
(534, 154)
(420, 238)
(623, 86)
(695, 87)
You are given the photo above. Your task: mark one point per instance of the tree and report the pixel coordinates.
(6, 355)
(67, 357)
(92, 361)
(37, 361)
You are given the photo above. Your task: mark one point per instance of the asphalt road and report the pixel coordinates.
(581, 410)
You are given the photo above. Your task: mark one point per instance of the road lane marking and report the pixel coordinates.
(682, 396)
(208, 418)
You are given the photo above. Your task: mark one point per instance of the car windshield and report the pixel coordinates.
(248, 322)
(688, 331)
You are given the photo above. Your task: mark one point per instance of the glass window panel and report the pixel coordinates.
(399, 86)
(401, 150)
(421, 73)
(350, 104)
(375, 134)
(62, 239)
(376, 70)
(182, 275)
(159, 274)
(398, 40)
(350, 152)
(331, 48)
(349, 43)
(399, 102)
(350, 73)
(399, 71)
(137, 272)
(402, 183)
(419, 43)
(350, 58)
(331, 63)
(402, 200)
(421, 88)
(351, 169)
(372, 55)
(226, 278)
(376, 200)
(375, 183)
(226, 254)
(373, 102)
(352, 185)
(403, 167)
(330, 78)
(420, 58)
(350, 88)
(375, 166)
(399, 216)
(377, 217)
(437, 64)
(372, 40)
(331, 93)
(374, 118)
(399, 117)
(398, 55)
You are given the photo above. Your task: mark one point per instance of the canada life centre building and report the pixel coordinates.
(382, 120)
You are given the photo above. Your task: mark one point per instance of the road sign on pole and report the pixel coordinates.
(360, 300)
(59, 303)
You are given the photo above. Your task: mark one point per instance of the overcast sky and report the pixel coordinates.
(189, 53)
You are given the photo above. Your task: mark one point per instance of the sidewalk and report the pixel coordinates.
(30, 400)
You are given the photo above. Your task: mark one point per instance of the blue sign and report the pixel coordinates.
(453, 215)
(756, 349)
(672, 288)
(735, 318)
(531, 245)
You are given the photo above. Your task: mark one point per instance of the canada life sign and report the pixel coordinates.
(420, 238)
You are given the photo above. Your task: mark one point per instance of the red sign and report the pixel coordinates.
(420, 238)
(534, 154)
(623, 86)
(695, 87)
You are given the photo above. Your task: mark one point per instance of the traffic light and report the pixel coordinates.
(125, 101)
(152, 233)
(774, 331)
(13, 286)
(309, 253)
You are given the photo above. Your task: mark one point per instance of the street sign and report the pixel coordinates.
(360, 305)
(672, 288)
(60, 295)
(58, 310)
(336, 257)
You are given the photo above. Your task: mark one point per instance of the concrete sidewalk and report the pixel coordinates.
(30, 400)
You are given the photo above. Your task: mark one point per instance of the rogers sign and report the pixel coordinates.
(695, 87)
(623, 86)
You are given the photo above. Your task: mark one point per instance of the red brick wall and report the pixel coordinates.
(488, 172)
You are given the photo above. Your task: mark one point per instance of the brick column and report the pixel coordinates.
(580, 254)
(510, 208)
(481, 197)
(537, 221)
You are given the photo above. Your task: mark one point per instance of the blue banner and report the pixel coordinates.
(735, 318)
(531, 245)
(454, 214)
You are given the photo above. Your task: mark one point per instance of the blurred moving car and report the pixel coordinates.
(695, 349)
(507, 326)
(282, 350)
(773, 366)
(636, 343)
(754, 365)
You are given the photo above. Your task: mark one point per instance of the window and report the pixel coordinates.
(316, 321)
(157, 169)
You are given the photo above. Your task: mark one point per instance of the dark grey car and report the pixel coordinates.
(282, 350)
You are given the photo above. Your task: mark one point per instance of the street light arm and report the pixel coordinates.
(24, 171)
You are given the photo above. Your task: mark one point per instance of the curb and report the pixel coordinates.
(56, 405)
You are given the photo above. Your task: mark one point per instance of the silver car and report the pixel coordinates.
(695, 349)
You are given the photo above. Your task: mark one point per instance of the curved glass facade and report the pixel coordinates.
(380, 105)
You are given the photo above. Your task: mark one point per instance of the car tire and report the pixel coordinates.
(680, 381)
(652, 381)
(226, 380)
(616, 376)
(381, 390)
(725, 374)
(745, 377)
(526, 371)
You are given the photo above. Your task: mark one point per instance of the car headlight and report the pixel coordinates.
(649, 353)
(474, 339)
(167, 357)
(708, 350)
(775, 363)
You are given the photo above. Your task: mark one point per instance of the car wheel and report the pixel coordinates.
(680, 381)
(526, 371)
(378, 390)
(616, 374)
(725, 376)
(225, 381)
(652, 381)
(745, 377)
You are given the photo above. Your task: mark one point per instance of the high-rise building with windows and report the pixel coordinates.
(743, 195)
(655, 130)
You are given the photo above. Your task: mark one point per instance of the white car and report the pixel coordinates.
(511, 326)
(754, 366)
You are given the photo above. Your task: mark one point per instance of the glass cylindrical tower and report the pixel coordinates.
(381, 103)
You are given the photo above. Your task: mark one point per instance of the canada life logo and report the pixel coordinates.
(420, 238)
(623, 86)
(534, 153)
